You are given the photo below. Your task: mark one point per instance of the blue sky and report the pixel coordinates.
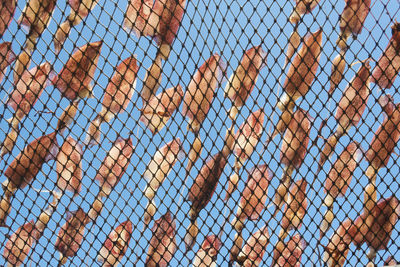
(229, 28)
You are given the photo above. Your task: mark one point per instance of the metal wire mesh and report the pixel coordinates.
(199, 133)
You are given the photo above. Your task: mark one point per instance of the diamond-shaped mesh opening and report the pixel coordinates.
(177, 133)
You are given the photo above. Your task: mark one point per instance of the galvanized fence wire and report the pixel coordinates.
(199, 133)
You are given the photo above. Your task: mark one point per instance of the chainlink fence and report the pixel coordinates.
(199, 133)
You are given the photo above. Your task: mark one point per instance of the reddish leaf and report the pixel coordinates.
(115, 164)
(201, 89)
(116, 245)
(163, 242)
(75, 78)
